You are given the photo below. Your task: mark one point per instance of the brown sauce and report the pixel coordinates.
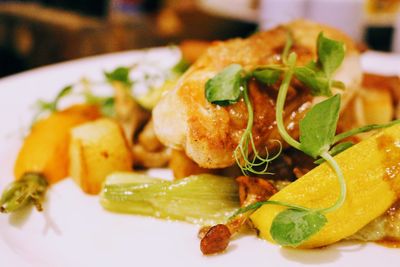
(389, 243)
(391, 161)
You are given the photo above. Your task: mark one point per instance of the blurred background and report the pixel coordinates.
(40, 32)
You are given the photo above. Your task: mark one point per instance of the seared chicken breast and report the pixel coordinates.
(208, 133)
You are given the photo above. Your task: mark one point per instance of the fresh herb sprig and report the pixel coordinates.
(317, 75)
(120, 74)
(51, 106)
(228, 87)
(294, 225)
(106, 104)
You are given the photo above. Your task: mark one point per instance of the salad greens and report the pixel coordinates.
(317, 139)
(122, 75)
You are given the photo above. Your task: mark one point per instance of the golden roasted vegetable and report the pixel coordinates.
(372, 173)
(97, 149)
(45, 149)
(193, 49)
(43, 158)
(149, 152)
(182, 166)
(377, 106)
(150, 159)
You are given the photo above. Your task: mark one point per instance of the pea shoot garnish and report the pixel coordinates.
(226, 88)
(317, 138)
(51, 106)
(120, 74)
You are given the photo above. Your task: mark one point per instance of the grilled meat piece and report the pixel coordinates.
(208, 133)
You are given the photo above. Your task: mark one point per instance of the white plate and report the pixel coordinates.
(75, 231)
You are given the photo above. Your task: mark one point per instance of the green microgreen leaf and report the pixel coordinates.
(43, 107)
(267, 76)
(180, 67)
(120, 74)
(317, 75)
(67, 90)
(317, 129)
(339, 148)
(315, 80)
(330, 54)
(226, 87)
(106, 104)
(338, 84)
(53, 105)
(364, 129)
(292, 226)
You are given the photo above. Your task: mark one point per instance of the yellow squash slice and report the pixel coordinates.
(372, 173)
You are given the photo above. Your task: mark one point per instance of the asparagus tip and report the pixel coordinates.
(30, 188)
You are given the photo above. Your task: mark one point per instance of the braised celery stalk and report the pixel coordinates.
(199, 199)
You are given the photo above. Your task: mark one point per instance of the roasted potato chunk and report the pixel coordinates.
(377, 106)
(182, 166)
(97, 149)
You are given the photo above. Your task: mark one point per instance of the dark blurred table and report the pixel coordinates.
(32, 35)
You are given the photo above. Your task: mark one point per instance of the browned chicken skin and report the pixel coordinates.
(208, 133)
